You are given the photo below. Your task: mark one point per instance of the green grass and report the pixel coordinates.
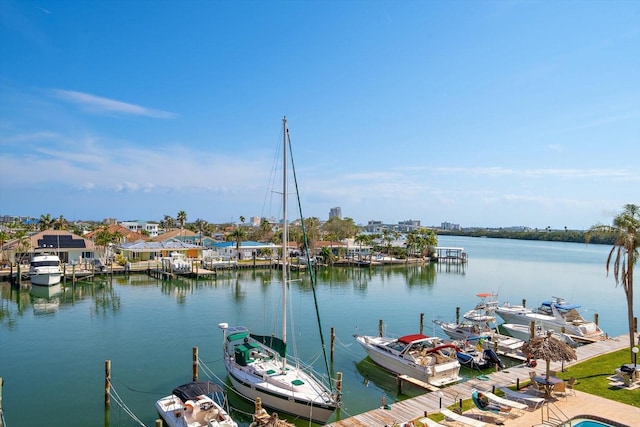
(591, 377)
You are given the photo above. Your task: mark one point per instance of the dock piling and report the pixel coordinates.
(107, 384)
(195, 364)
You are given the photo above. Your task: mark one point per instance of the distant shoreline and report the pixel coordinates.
(569, 236)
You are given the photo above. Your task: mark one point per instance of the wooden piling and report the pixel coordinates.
(399, 384)
(339, 384)
(380, 324)
(595, 318)
(457, 315)
(195, 364)
(524, 302)
(421, 323)
(333, 341)
(532, 329)
(158, 423)
(107, 384)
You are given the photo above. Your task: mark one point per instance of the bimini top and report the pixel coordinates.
(408, 339)
(191, 391)
(560, 304)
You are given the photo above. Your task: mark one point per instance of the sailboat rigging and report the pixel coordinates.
(259, 367)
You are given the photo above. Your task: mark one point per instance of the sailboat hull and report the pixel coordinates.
(285, 399)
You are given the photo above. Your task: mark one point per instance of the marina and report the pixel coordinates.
(147, 327)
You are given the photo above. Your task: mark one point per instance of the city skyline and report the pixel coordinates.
(483, 114)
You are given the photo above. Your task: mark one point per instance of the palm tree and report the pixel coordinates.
(238, 234)
(60, 223)
(361, 239)
(169, 222)
(182, 218)
(45, 222)
(625, 247)
(266, 229)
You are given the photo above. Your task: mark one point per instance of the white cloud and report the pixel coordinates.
(99, 105)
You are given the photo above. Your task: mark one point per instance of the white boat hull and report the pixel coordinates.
(522, 316)
(437, 375)
(283, 399)
(45, 279)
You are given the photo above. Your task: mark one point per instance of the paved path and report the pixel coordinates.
(582, 403)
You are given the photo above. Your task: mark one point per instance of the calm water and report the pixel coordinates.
(52, 359)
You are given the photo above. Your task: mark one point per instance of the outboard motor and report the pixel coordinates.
(491, 355)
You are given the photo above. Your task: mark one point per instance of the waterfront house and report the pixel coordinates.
(248, 249)
(71, 248)
(152, 250)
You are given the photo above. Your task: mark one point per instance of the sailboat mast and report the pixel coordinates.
(285, 237)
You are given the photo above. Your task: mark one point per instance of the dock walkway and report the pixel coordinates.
(416, 407)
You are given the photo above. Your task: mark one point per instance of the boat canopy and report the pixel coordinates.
(560, 305)
(237, 333)
(408, 339)
(273, 343)
(191, 391)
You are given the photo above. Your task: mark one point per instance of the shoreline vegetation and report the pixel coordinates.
(569, 236)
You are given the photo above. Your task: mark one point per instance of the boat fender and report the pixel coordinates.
(189, 406)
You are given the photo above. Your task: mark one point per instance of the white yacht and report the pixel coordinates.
(45, 270)
(555, 315)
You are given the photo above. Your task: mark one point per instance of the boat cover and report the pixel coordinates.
(191, 391)
(408, 339)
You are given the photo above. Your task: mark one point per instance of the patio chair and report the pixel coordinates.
(570, 384)
(522, 397)
(450, 415)
(560, 388)
(428, 422)
(521, 407)
(534, 384)
(484, 404)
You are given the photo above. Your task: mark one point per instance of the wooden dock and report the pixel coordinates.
(416, 407)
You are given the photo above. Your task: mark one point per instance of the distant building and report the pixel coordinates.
(374, 226)
(335, 212)
(449, 226)
(409, 225)
(138, 226)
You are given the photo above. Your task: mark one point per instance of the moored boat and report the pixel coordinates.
(195, 404)
(472, 355)
(479, 325)
(259, 365)
(553, 315)
(44, 269)
(424, 358)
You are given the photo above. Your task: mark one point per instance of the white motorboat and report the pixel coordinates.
(523, 332)
(44, 269)
(259, 366)
(554, 315)
(196, 404)
(479, 325)
(425, 358)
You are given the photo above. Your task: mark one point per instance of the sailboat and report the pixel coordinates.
(259, 366)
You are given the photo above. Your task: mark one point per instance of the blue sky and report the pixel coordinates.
(482, 113)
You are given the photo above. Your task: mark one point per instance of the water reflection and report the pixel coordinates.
(45, 299)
